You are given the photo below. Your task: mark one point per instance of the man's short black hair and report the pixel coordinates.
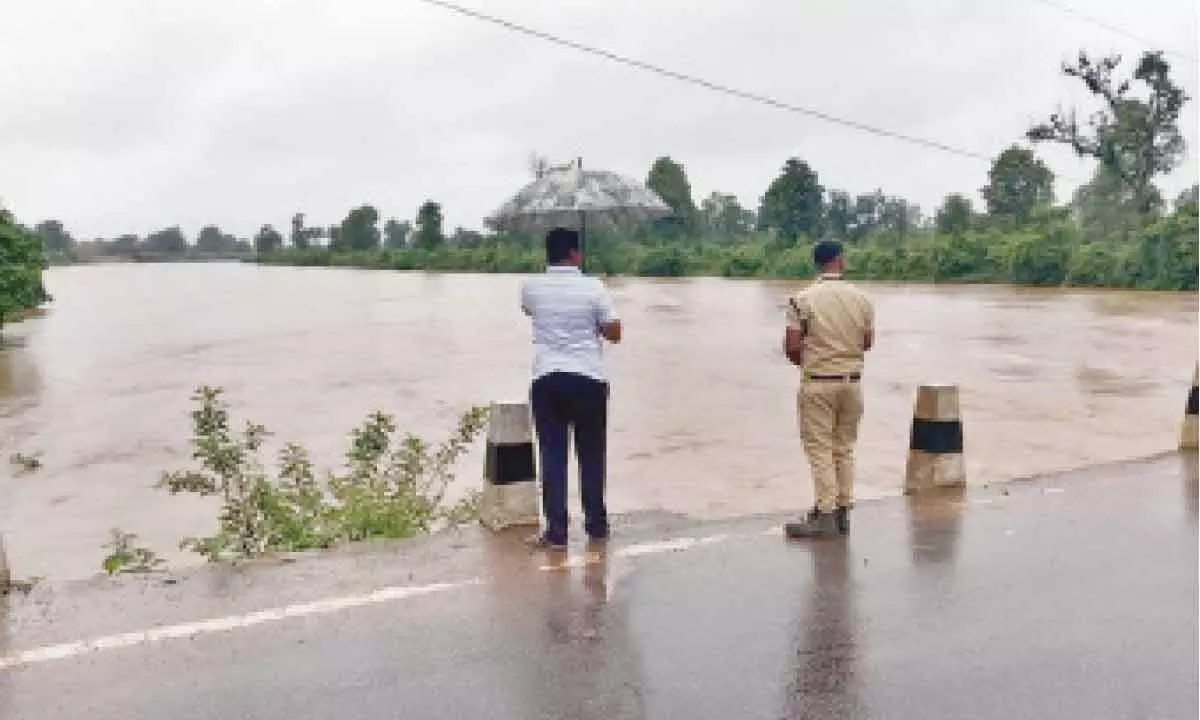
(826, 252)
(559, 244)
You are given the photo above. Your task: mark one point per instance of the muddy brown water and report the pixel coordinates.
(703, 416)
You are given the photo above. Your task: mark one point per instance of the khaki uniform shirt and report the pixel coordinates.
(835, 317)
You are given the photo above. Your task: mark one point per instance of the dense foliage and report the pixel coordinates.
(21, 265)
(1052, 250)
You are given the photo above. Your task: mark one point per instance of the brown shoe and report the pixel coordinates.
(816, 525)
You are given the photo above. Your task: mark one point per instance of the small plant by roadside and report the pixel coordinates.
(391, 487)
(125, 557)
(26, 463)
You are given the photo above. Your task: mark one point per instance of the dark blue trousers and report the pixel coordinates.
(562, 403)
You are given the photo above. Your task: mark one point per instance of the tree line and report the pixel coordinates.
(358, 231)
(169, 244)
(1115, 230)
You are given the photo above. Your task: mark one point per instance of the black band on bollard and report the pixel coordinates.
(507, 464)
(1193, 405)
(936, 436)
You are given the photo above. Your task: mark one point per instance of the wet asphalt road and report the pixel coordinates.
(1066, 597)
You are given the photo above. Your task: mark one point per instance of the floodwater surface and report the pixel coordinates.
(703, 403)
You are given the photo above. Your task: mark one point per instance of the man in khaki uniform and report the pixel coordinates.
(830, 326)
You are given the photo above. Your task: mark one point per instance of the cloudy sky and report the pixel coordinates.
(129, 115)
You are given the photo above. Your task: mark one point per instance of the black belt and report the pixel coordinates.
(851, 377)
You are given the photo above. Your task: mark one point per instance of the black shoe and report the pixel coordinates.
(842, 515)
(544, 542)
(816, 525)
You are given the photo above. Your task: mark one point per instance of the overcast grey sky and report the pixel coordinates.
(129, 115)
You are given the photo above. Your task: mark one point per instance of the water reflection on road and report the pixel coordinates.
(702, 418)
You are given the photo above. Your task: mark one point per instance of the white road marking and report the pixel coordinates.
(64, 651)
(650, 548)
(674, 545)
(223, 624)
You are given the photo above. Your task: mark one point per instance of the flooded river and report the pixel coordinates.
(703, 402)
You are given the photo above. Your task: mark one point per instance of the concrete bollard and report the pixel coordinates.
(5, 573)
(1189, 434)
(935, 447)
(510, 492)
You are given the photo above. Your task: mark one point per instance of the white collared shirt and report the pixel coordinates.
(567, 309)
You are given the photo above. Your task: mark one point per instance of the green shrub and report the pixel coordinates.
(391, 487)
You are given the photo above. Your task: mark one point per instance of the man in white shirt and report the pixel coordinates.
(572, 315)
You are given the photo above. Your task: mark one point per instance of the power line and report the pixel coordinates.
(682, 77)
(1112, 28)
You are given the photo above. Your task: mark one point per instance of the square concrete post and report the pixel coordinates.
(935, 448)
(1189, 433)
(5, 572)
(510, 492)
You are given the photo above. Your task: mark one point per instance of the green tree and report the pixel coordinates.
(464, 238)
(360, 229)
(899, 215)
(395, 233)
(961, 255)
(793, 203)
(1165, 256)
(1188, 198)
(267, 240)
(868, 214)
(1106, 209)
(21, 265)
(429, 233)
(56, 241)
(169, 241)
(1135, 138)
(126, 244)
(298, 237)
(1018, 183)
(839, 215)
(211, 240)
(1040, 255)
(669, 180)
(722, 215)
(302, 237)
(955, 216)
(1092, 264)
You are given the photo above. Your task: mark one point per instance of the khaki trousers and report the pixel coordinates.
(829, 412)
